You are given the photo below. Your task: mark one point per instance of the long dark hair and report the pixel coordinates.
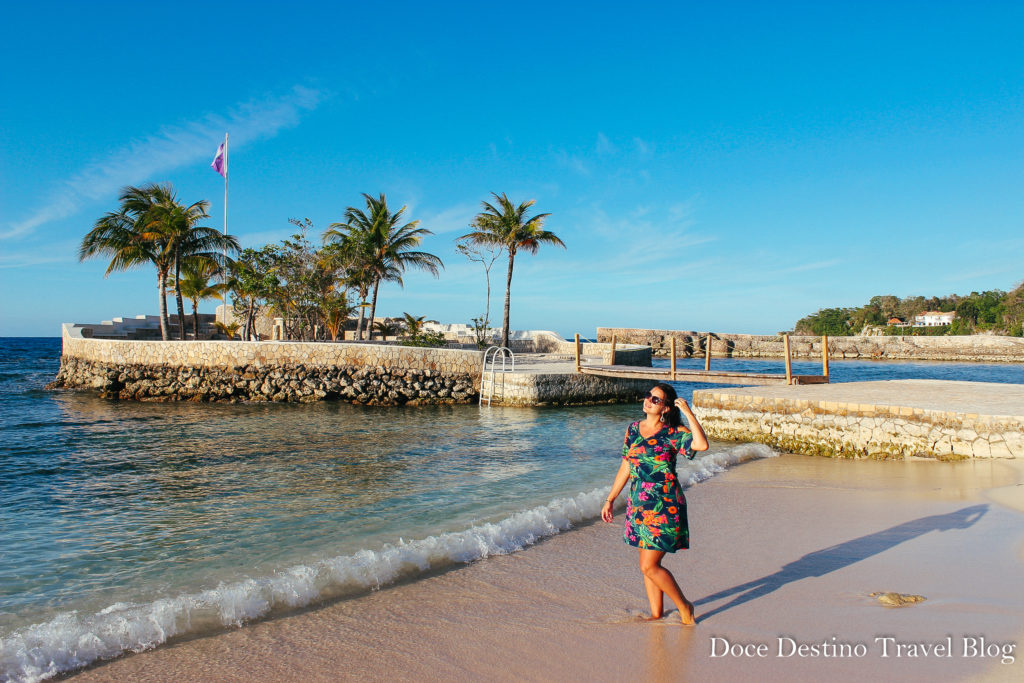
(673, 418)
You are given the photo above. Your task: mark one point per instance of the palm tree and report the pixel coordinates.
(387, 327)
(335, 309)
(152, 226)
(229, 329)
(353, 240)
(176, 224)
(413, 324)
(380, 248)
(195, 286)
(507, 225)
(126, 237)
(360, 281)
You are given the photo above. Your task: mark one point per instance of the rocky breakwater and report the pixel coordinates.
(300, 383)
(369, 374)
(973, 348)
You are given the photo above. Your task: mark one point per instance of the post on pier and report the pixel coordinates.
(824, 356)
(673, 366)
(789, 361)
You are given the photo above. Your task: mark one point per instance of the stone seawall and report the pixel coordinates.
(567, 389)
(981, 348)
(886, 419)
(625, 354)
(370, 374)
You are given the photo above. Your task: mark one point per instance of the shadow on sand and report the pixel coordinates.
(828, 560)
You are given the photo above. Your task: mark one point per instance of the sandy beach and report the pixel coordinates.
(785, 554)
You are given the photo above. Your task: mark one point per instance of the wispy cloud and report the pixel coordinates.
(618, 249)
(454, 218)
(965, 275)
(169, 148)
(572, 162)
(44, 254)
(817, 265)
(604, 145)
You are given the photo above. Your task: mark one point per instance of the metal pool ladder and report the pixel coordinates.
(488, 376)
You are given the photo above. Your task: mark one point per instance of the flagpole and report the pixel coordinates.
(227, 170)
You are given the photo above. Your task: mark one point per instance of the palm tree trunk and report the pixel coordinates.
(487, 308)
(195, 320)
(362, 312)
(373, 308)
(508, 292)
(181, 303)
(161, 280)
(250, 321)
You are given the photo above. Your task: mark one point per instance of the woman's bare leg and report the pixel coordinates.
(654, 595)
(650, 565)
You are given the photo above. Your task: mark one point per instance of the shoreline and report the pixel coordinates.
(786, 547)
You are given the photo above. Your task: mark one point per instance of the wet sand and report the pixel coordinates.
(785, 552)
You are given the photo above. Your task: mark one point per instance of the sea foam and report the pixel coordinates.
(72, 640)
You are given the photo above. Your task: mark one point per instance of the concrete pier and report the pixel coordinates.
(551, 379)
(889, 419)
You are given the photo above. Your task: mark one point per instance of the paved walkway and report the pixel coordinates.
(549, 363)
(977, 398)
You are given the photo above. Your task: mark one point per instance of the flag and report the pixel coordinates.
(220, 164)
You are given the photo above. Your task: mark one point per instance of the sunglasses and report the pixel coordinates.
(656, 400)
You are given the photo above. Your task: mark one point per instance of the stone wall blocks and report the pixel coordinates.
(966, 435)
(1001, 450)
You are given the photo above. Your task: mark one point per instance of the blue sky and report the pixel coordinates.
(713, 166)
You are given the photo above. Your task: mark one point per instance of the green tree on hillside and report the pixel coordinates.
(831, 321)
(967, 310)
(886, 304)
(992, 310)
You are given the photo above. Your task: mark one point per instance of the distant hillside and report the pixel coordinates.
(994, 311)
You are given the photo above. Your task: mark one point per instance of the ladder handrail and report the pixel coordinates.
(491, 355)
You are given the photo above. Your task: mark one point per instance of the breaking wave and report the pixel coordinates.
(73, 640)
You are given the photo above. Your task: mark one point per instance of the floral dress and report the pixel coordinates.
(656, 509)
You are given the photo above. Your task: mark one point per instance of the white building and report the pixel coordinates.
(934, 319)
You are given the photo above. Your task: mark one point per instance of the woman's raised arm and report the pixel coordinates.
(700, 439)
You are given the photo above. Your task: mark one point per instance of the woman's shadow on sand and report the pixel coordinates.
(828, 560)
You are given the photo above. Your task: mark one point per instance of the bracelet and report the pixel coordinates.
(609, 500)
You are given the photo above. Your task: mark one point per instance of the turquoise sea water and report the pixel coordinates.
(125, 524)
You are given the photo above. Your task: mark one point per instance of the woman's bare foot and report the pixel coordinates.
(651, 618)
(687, 615)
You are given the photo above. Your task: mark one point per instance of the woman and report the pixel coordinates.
(656, 509)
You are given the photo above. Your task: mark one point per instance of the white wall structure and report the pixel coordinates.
(934, 319)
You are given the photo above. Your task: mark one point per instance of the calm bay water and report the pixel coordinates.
(124, 524)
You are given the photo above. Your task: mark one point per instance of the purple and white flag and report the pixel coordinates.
(220, 164)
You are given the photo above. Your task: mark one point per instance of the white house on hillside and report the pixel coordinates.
(934, 319)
